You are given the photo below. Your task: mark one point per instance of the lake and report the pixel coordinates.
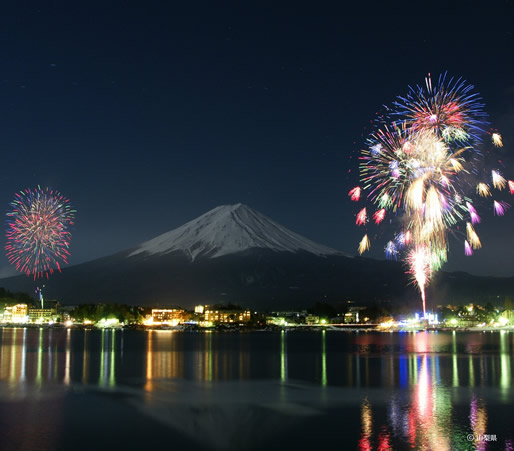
(132, 389)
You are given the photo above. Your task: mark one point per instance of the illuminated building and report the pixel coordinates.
(234, 316)
(276, 321)
(199, 309)
(168, 316)
(311, 319)
(285, 318)
(41, 315)
(352, 315)
(16, 313)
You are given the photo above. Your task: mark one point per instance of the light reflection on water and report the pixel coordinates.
(422, 374)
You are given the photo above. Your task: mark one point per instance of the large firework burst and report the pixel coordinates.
(450, 109)
(421, 167)
(38, 231)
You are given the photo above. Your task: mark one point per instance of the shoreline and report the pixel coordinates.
(232, 329)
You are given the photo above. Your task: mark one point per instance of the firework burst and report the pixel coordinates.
(38, 231)
(449, 108)
(419, 165)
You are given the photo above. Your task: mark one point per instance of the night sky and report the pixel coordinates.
(147, 117)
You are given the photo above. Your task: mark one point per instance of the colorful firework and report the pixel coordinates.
(361, 217)
(38, 231)
(364, 245)
(379, 216)
(473, 213)
(450, 109)
(497, 139)
(391, 250)
(483, 189)
(473, 239)
(499, 182)
(355, 193)
(419, 164)
(500, 208)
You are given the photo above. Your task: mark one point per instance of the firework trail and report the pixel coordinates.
(473, 213)
(497, 139)
(483, 189)
(391, 250)
(379, 216)
(355, 193)
(499, 182)
(421, 164)
(38, 231)
(364, 244)
(500, 208)
(361, 217)
(467, 249)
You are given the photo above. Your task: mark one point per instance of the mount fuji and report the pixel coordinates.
(235, 254)
(230, 229)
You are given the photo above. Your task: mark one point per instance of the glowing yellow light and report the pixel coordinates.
(364, 245)
(457, 167)
(499, 182)
(414, 195)
(108, 323)
(503, 321)
(497, 139)
(483, 190)
(473, 237)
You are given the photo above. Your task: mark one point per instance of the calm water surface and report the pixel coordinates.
(76, 389)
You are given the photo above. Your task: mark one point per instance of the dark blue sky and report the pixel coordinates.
(148, 116)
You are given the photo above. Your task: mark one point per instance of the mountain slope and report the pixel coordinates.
(230, 229)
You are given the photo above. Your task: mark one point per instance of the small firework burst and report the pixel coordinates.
(38, 231)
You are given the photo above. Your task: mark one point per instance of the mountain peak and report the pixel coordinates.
(229, 229)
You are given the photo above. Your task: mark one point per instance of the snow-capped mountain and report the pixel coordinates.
(230, 229)
(235, 254)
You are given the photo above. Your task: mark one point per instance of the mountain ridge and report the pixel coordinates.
(229, 229)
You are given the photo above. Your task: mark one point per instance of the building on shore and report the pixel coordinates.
(219, 315)
(167, 316)
(285, 318)
(311, 319)
(354, 315)
(42, 315)
(16, 313)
